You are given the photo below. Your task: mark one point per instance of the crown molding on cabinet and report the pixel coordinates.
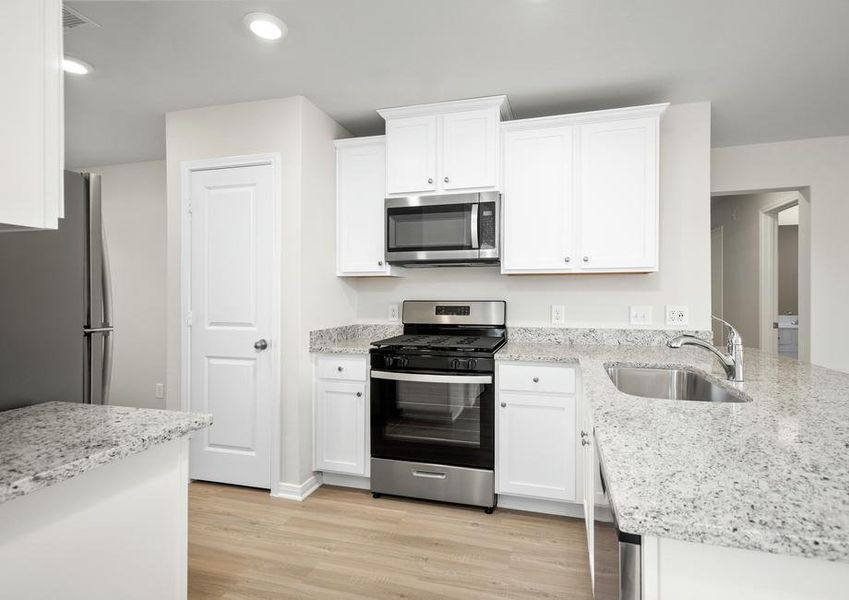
(440, 108)
(594, 116)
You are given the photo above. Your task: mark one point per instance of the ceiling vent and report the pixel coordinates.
(71, 19)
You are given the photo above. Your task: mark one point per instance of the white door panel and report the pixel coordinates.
(537, 201)
(231, 275)
(411, 155)
(469, 150)
(536, 446)
(361, 185)
(341, 415)
(618, 205)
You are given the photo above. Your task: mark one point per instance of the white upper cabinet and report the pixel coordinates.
(619, 199)
(31, 114)
(581, 192)
(469, 150)
(447, 147)
(411, 156)
(360, 191)
(537, 204)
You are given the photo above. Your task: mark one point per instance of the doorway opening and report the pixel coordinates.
(760, 268)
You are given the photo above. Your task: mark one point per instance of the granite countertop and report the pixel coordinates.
(45, 444)
(770, 475)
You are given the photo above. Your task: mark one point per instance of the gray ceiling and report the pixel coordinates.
(774, 69)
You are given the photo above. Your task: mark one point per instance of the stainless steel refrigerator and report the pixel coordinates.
(56, 306)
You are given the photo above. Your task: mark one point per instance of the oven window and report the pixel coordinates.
(436, 413)
(444, 227)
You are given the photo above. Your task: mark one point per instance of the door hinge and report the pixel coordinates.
(189, 319)
(189, 207)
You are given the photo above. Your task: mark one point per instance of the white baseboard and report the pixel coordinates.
(344, 480)
(298, 492)
(548, 507)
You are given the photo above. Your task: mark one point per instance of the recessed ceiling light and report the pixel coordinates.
(76, 66)
(265, 26)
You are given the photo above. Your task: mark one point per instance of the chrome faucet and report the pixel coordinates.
(732, 361)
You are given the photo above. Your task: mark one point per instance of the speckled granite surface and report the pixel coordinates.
(351, 339)
(769, 475)
(45, 444)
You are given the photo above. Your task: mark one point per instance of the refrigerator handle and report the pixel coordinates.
(107, 314)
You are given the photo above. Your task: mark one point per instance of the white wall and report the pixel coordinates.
(133, 199)
(822, 166)
(303, 137)
(598, 300)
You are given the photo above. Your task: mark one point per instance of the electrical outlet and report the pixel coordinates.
(159, 390)
(641, 315)
(558, 314)
(677, 315)
(394, 312)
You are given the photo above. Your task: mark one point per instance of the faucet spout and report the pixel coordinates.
(732, 361)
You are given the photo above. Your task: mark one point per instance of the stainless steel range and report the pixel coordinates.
(433, 403)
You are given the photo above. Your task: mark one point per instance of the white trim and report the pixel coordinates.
(360, 141)
(768, 271)
(595, 116)
(500, 102)
(273, 160)
(719, 232)
(548, 507)
(297, 492)
(345, 480)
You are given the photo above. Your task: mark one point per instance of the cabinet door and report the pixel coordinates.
(536, 446)
(360, 191)
(31, 114)
(411, 155)
(587, 450)
(537, 202)
(469, 150)
(619, 195)
(340, 444)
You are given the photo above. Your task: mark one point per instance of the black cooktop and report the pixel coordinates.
(442, 342)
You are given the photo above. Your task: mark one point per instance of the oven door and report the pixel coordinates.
(433, 417)
(432, 228)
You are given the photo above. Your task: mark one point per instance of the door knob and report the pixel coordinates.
(261, 345)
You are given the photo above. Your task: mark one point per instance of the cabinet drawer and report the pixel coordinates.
(537, 378)
(342, 367)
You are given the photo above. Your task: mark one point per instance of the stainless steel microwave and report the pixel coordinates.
(448, 230)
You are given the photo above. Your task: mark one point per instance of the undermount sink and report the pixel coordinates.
(670, 384)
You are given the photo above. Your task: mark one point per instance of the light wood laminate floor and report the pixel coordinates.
(342, 543)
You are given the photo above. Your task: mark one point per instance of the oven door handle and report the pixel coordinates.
(473, 226)
(427, 378)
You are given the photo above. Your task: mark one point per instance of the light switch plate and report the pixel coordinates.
(558, 314)
(677, 315)
(394, 312)
(641, 315)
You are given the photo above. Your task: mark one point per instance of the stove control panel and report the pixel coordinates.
(395, 361)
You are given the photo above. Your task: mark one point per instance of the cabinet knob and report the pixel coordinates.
(536, 379)
(567, 259)
(586, 259)
(585, 442)
(359, 394)
(445, 179)
(503, 405)
(339, 369)
(430, 179)
(380, 263)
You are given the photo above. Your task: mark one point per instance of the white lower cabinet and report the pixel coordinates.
(341, 418)
(536, 433)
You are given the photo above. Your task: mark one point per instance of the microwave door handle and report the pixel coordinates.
(473, 225)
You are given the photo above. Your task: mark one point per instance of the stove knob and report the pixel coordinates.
(455, 364)
(472, 364)
(403, 360)
(387, 360)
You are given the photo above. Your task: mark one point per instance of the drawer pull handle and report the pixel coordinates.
(429, 475)
(503, 405)
(359, 394)
(339, 369)
(536, 380)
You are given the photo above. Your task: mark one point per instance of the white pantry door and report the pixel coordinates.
(231, 303)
